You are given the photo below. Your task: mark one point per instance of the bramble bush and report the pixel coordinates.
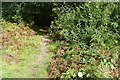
(86, 35)
(92, 33)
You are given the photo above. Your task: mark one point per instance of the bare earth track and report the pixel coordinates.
(43, 58)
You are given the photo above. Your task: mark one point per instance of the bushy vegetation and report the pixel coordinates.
(35, 13)
(89, 35)
(86, 36)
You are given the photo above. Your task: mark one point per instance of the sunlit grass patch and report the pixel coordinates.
(20, 43)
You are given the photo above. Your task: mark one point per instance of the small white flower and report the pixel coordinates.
(80, 74)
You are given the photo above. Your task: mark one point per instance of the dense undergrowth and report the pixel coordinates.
(86, 40)
(86, 36)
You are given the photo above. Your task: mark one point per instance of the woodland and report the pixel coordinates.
(60, 40)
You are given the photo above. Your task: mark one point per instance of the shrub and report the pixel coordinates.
(91, 31)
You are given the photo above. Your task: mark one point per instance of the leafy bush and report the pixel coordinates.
(91, 31)
(36, 13)
(88, 35)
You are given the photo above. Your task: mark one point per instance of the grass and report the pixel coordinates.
(21, 48)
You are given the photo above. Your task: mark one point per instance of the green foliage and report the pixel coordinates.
(82, 21)
(91, 31)
(36, 13)
(88, 35)
(11, 12)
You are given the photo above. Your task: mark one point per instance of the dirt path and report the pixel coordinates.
(43, 59)
(44, 50)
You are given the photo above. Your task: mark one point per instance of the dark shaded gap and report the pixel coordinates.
(42, 22)
(38, 15)
(41, 16)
